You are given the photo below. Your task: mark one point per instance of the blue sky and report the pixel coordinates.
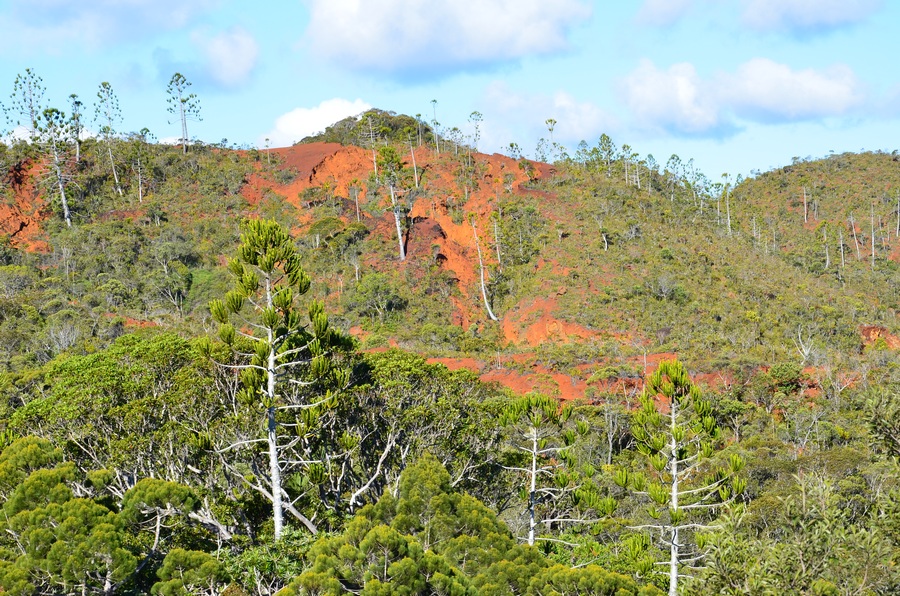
(737, 85)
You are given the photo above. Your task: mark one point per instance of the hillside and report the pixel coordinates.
(459, 294)
(593, 279)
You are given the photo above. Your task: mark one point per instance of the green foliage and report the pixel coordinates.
(188, 572)
(52, 540)
(430, 538)
(386, 126)
(809, 545)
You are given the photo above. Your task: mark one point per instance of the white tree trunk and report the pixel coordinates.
(532, 490)
(487, 306)
(272, 428)
(62, 187)
(674, 547)
(397, 224)
(112, 164)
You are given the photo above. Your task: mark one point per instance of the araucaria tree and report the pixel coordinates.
(288, 368)
(107, 115)
(54, 131)
(184, 105)
(27, 101)
(675, 431)
(542, 441)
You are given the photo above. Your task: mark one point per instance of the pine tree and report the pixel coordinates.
(287, 367)
(108, 115)
(182, 104)
(677, 436)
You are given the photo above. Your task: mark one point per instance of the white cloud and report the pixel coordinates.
(662, 13)
(806, 16)
(679, 101)
(510, 116)
(303, 122)
(765, 90)
(426, 39)
(230, 56)
(675, 99)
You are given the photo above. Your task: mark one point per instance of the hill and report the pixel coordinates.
(596, 268)
(574, 279)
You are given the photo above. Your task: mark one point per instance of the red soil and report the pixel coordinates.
(535, 324)
(872, 333)
(21, 220)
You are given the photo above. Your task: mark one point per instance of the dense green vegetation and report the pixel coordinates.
(143, 446)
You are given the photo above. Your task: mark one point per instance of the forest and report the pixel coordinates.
(382, 362)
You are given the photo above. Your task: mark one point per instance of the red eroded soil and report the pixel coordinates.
(440, 230)
(21, 220)
(534, 324)
(872, 333)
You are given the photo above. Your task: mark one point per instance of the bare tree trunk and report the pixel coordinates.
(413, 155)
(872, 222)
(112, 164)
(272, 428)
(184, 131)
(728, 212)
(674, 547)
(497, 245)
(855, 239)
(532, 492)
(372, 140)
(805, 209)
(397, 223)
(487, 306)
(62, 187)
(825, 240)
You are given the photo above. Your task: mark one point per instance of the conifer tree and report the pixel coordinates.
(184, 105)
(108, 115)
(678, 435)
(27, 102)
(289, 368)
(55, 131)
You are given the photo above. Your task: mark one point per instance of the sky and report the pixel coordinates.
(736, 85)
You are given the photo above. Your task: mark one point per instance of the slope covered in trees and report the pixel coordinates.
(138, 430)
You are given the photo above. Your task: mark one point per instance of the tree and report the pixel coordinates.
(391, 166)
(184, 105)
(677, 436)
(27, 102)
(429, 539)
(542, 444)
(107, 115)
(286, 365)
(484, 296)
(55, 132)
(77, 128)
(51, 541)
(138, 156)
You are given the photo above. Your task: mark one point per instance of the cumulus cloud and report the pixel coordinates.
(677, 100)
(662, 13)
(229, 57)
(806, 16)
(413, 38)
(303, 122)
(55, 23)
(768, 91)
(224, 60)
(510, 116)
